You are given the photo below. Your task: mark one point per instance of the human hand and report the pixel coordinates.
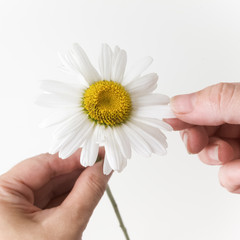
(45, 197)
(209, 121)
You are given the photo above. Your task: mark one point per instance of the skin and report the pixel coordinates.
(49, 198)
(209, 124)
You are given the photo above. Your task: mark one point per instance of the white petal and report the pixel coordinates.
(89, 152)
(106, 166)
(59, 143)
(100, 133)
(123, 141)
(51, 86)
(115, 157)
(155, 138)
(119, 65)
(80, 137)
(150, 99)
(116, 51)
(105, 62)
(71, 125)
(143, 85)
(58, 117)
(78, 61)
(138, 69)
(67, 66)
(153, 122)
(58, 100)
(159, 112)
(137, 142)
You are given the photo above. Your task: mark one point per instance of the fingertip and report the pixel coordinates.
(229, 176)
(182, 104)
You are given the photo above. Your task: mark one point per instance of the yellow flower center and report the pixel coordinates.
(107, 102)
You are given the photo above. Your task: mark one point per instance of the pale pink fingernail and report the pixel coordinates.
(183, 104)
(213, 153)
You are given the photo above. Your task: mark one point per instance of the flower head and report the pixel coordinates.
(112, 109)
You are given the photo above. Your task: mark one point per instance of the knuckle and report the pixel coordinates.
(221, 95)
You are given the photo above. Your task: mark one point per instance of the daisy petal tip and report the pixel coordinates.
(106, 173)
(83, 163)
(76, 46)
(51, 151)
(148, 60)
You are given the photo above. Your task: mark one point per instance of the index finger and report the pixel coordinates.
(35, 172)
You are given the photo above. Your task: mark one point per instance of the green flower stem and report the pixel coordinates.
(116, 210)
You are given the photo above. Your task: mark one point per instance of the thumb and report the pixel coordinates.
(211, 106)
(85, 195)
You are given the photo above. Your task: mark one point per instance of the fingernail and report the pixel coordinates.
(183, 104)
(185, 140)
(213, 152)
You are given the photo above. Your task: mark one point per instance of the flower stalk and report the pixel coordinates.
(116, 210)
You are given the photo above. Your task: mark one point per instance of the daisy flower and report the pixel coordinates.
(108, 108)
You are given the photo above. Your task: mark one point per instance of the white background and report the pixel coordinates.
(194, 44)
